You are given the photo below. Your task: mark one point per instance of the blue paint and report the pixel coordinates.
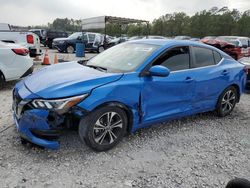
(80, 49)
(168, 96)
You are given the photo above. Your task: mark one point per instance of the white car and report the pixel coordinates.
(14, 62)
(27, 39)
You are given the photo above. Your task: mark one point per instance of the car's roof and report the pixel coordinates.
(168, 42)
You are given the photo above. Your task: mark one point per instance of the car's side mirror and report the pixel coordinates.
(79, 38)
(159, 70)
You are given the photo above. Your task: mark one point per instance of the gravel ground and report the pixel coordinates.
(198, 151)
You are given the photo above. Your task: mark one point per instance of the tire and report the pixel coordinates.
(2, 80)
(70, 49)
(227, 101)
(97, 132)
(100, 49)
(238, 182)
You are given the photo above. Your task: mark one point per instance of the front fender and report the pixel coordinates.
(121, 91)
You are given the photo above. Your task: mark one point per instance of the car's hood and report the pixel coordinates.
(67, 79)
(59, 39)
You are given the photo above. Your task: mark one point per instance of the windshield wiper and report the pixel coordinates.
(97, 67)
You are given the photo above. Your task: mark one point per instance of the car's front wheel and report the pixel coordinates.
(103, 128)
(227, 101)
(100, 49)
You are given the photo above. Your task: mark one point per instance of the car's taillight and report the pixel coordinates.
(30, 39)
(21, 51)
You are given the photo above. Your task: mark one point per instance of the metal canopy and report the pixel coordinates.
(100, 22)
(120, 20)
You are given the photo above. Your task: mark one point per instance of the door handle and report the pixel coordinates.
(225, 72)
(189, 79)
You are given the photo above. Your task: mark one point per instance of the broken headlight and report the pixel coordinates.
(58, 104)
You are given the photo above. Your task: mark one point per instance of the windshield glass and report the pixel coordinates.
(124, 57)
(75, 35)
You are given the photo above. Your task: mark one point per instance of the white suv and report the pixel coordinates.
(14, 62)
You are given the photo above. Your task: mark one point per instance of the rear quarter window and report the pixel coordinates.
(217, 57)
(202, 57)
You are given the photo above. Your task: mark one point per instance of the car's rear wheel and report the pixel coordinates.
(2, 80)
(70, 49)
(227, 101)
(100, 49)
(103, 128)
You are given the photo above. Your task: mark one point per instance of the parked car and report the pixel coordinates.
(154, 37)
(51, 35)
(127, 87)
(135, 38)
(209, 38)
(41, 33)
(246, 62)
(236, 47)
(92, 41)
(27, 39)
(195, 39)
(182, 38)
(14, 62)
(115, 41)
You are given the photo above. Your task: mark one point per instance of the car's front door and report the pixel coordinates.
(166, 97)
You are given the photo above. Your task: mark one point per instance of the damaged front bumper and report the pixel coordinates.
(33, 126)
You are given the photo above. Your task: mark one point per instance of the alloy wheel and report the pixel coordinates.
(70, 49)
(228, 101)
(107, 128)
(101, 49)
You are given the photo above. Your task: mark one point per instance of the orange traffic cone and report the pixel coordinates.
(55, 59)
(46, 58)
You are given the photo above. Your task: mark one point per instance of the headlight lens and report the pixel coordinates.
(58, 104)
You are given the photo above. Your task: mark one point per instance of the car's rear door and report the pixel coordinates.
(210, 77)
(164, 97)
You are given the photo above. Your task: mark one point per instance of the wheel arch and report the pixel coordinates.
(127, 110)
(1, 73)
(237, 87)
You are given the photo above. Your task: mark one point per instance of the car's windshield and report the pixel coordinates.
(124, 57)
(75, 35)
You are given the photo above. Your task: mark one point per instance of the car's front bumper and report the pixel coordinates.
(33, 126)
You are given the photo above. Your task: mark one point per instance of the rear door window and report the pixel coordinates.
(175, 59)
(202, 57)
(91, 38)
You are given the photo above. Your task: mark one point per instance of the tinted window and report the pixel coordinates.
(203, 57)
(217, 57)
(175, 59)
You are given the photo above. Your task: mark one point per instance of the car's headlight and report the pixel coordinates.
(58, 104)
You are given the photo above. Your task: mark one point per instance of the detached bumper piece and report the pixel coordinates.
(33, 126)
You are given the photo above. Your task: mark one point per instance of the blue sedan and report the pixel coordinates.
(130, 86)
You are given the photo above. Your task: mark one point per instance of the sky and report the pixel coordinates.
(40, 12)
